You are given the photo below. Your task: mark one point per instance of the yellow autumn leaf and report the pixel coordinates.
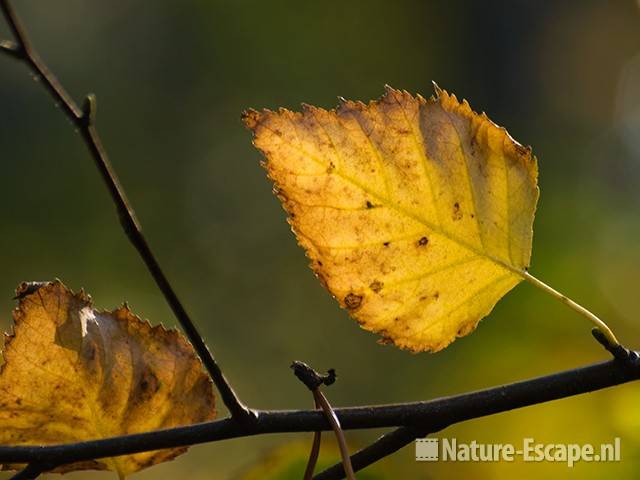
(73, 373)
(416, 214)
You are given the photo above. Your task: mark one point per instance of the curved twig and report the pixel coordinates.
(313, 453)
(330, 414)
(313, 380)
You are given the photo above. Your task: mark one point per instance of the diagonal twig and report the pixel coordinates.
(619, 352)
(31, 471)
(84, 121)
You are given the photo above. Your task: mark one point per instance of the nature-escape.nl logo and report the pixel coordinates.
(450, 450)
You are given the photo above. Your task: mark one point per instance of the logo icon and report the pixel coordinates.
(426, 449)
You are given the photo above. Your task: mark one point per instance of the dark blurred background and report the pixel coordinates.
(171, 80)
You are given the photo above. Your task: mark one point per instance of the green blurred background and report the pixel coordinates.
(172, 78)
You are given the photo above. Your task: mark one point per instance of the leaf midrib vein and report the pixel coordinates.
(397, 207)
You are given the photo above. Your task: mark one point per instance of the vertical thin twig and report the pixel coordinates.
(84, 120)
(337, 429)
(313, 456)
(313, 453)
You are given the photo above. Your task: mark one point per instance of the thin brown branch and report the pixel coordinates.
(84, 120)
(313, 380)
(337, 430)
(314, 452)
(313, 456)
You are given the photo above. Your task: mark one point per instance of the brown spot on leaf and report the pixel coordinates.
(369, 204)
(457, 214)
(376, 286)
(149, 384)
(423, 241)
(353, 301)
(386, 244)
(522, 150)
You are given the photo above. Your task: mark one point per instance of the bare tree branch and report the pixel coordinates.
(395, 440)
(429, 416)
(84, 120)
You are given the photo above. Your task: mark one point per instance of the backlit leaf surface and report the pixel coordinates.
(416, 214)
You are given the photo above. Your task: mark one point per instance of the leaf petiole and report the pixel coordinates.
(602, 326)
